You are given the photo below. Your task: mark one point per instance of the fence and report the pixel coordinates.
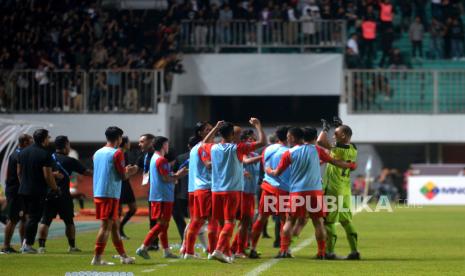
(405, 91)
(302, 34)
(32, 91)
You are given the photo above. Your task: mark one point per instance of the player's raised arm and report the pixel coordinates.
(211, 135)
(251, 160)
(323, 139)
(261, 134)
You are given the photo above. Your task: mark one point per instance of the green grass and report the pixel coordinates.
(423, 241)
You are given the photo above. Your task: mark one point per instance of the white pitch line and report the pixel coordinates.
(148, 270)
(268, 264)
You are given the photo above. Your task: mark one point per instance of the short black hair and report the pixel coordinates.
(246, 134)
(61, 141)
(113, 133)
(200, 126)
(149, 136)
(281, 133)
(124, 141)
(296, 132)
(346, 130)
(159, 141)
(40, 136)
(226, 130)
(193, 140)
(23, 139)
(310, 134)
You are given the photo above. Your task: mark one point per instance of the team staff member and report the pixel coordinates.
(63, 205)
(35, 176)
(162, 181)
(127, 194)
(146, 147)
(109, 170)
(14, 201)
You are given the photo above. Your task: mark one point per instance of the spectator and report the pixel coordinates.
(437, 39)
(369, 40)
(396, 60)
(352, 43)
(386, 14)
(406, 10)
(226, 15)
(358, 187)
(436, 9)
(457, 37)
(420, 11)
(387, 39)
(385, 186)
(99, 90)
(352, 59)
(416, 33)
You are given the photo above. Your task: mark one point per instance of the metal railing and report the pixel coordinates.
(302, 34)
(100, 91)
(405, 91)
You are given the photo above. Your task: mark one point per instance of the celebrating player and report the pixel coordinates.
(109, 170)
(272, 186)
(161, 198)
(62, 205)
(227, 178)
(337, 183)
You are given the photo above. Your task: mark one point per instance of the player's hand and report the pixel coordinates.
(182, 172)
(131, 170)
(337, 122)
(269, 171)
(353, 166)
(58, 175)
(325, 125)
(255, 122)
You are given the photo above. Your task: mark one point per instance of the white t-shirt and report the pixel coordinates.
(352, 44)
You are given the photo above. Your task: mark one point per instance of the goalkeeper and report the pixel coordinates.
(337, 183)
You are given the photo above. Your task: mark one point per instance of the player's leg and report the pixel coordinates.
(332, 217)
(50, 212)
(320, 236)
(345, 218)
(132, 209)
(299, 226)
(247, 210)
(192, 232)
(14, 211)
(226, 204)
(152, 222)
(286, 235)
(104, 211)
(66, 212)
(118, 243)
(35, 212)
(260, 222)
(212, 234)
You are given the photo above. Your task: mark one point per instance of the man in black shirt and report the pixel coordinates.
(62, 205)
(14, 201)
(180, 208)
(35, 177)
(143, 162)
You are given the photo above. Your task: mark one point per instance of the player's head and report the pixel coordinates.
(295, 136)
(146, 142)
(202, 129)
(62, 144)
(343, 134)
(161, 144)
(193, 140)
(281, 133)
(248, 135)
(310, 135)
(24, 140)
(125, 143)
(227, 131)
(41, 137)
(272, 139)
(114, 135)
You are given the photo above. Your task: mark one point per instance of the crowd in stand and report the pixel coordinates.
(377, 25)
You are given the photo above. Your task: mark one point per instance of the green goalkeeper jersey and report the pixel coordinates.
(336, 180)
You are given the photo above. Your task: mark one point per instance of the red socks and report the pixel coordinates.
(164, 237)
(257, 229)
(192, 232)
(99, 248)
(212, 235)
(321, 248)
(119, 247)
(152, 234)
(225, 238)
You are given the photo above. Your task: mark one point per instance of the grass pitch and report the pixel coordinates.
(408, 241)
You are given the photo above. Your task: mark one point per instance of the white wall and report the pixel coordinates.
(261, 74)
(91, 127)
(404, 128)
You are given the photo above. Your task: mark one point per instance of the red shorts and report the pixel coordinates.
(271, 195)
(191, 205)
(202, 204)
(106, 208)
(161, 210)
(308, 202)
(247, 205)
(225, 205)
